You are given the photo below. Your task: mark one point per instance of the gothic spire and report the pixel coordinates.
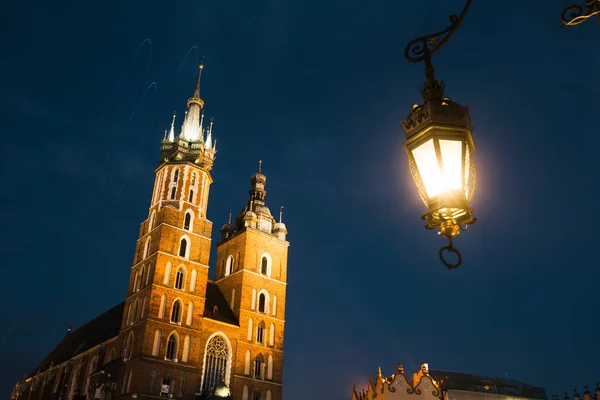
(192, 128)
(171, 137)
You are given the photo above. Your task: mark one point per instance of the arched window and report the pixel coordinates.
(193, 280)
(183, 248)
(176, 312)
(143, 310)
(171, 353)
(165, 389)
(111, 355)
(147, 247)
(274, 305)
(253, 299)
(167, 276)
(129, 314)
(128, 350)
(187, 221)
(256, 395)
(250, 328)
(151, 223)
(191, 197)
(135, 311)
(272, 335)
(270, 367)
(176, 175)
(264, 265)
(193, 183)
(153, 375)
(163, 306)
(190, 314)
(258, 367)
(179, 278)
(129, 380)
(262, 302)
(260, 333)
(268, 395)
(142, 277)
(247, 363)
(173, 192)
(186, 349)
(229, 265)
(215, 362)
(156, 344)
(91, 370)
(245, 393)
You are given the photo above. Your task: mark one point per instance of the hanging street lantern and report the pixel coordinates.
(440, 147)
(575, 14)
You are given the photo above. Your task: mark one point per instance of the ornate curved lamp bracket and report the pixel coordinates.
(574, 14)
(422, 48)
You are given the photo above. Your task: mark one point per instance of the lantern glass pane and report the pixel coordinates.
(429, 168)
(452, 161)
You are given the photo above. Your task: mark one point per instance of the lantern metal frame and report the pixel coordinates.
(440, 118)
(575, 15)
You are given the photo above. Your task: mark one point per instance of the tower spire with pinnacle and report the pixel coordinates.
(260, 165)
(171, 137)
(192, 125)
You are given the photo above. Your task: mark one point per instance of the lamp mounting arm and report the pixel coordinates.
(575, 15)
(422, 48)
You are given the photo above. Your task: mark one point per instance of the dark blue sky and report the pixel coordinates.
(315, 88)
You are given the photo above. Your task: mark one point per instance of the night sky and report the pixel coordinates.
(315, 88)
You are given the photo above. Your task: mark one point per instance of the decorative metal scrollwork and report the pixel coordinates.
(422, 48)
(575, 15)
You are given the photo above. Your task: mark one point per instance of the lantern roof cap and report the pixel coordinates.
(436, 111)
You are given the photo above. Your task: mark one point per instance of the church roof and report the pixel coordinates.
(90, 334)
(473, 383)
(107, 325)
(223, 313)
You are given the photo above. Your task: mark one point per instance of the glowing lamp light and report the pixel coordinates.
(441, 164)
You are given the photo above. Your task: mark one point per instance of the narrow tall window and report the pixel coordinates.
(258, 367)
(165, 389)
(260, 333)
(171, 347)
(176, 312)
(247, 363)
(245, 393)
(176, 175)
(264, 266)
(187, 221)
(173, 192)
(183, 248)
(256, 396)
(191, 196)
(262, 302)
(270, 367)
(193, 179)
(163, 306)
(186, 349)
(229, 265)
(272, 335)
(179, 279)
(156, 345)
(217, 354)
(193, 280)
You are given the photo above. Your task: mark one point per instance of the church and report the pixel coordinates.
(178, 334)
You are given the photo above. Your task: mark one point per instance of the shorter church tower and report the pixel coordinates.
(252, 273)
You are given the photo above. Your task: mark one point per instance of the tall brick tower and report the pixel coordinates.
(251, 273)
(161, 330)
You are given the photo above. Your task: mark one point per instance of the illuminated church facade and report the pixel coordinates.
(179, 334)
